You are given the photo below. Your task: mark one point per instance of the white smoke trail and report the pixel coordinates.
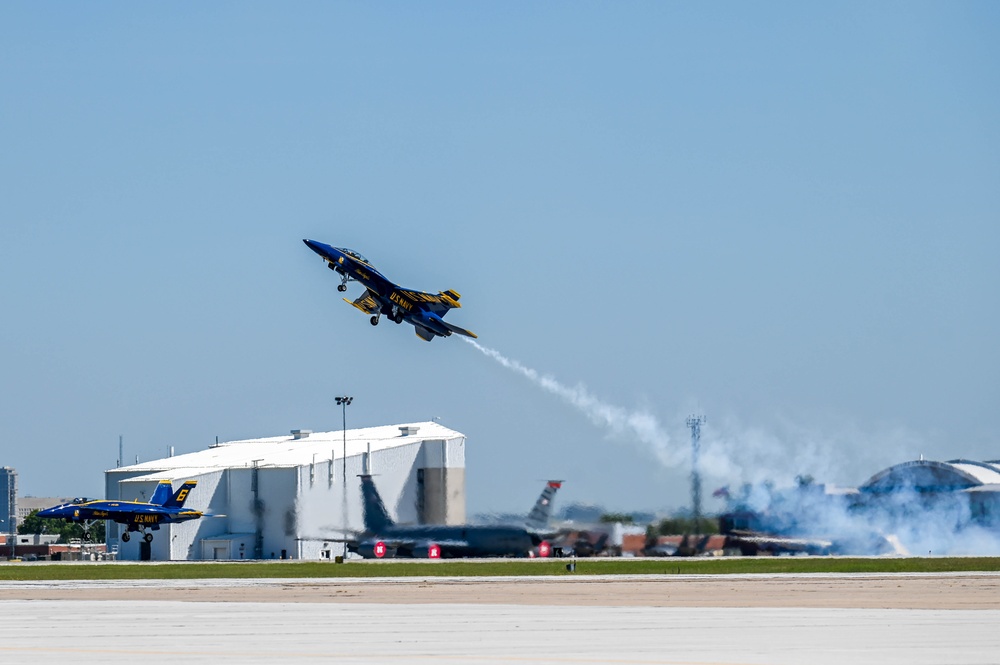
(619, 421)
(731, 452)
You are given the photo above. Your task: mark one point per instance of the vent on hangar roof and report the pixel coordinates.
(301, 433)
(408, 430)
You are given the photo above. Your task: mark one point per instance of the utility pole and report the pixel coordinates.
(343, 402)
(695, 423)
(258, 511)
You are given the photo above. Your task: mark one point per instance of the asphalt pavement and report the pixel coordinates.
(138, 631)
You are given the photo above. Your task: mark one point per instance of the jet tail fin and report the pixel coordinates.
(375, 515)
(538, 518)
(178, 499)
(162, 493)
(450, 298)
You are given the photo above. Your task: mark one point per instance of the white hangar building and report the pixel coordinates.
(294, 496)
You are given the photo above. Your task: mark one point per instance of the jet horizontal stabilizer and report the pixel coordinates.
(424, 333)
(460, 331)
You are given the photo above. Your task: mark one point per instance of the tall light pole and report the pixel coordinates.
(343, 402)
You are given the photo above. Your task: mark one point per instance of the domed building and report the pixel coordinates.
(921, 485)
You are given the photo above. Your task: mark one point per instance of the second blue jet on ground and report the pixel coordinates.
(165, 507)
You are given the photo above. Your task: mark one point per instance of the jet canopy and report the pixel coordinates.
(355, 255)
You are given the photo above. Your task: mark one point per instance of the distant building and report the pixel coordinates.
(8, 499)
(28, 504)
(968, 491)
(36, 547)
(296, 496)
(926, 476)
(582, 512)
(916, 507)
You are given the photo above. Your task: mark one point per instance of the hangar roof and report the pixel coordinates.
(928, 476)
(289, 451)
(984, 489)
(985, 472)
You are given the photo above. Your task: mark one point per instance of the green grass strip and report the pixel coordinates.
(312, 569)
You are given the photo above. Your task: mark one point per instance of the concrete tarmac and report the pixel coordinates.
(404, 626)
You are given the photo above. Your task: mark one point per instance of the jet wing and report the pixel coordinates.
(419, 548)
(367, 303)
(424, 542)
(433, 302)
(774, 543)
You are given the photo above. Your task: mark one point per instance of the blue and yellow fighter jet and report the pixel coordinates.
(425, 311)
(164, 507)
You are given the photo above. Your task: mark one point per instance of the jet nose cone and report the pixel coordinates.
(317, 247)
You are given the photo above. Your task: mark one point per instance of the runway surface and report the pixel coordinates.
(411, 623)
(857, 591)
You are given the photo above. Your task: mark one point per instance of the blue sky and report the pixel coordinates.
(784, 216)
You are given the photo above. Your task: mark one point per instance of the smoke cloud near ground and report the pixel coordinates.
(773, 477)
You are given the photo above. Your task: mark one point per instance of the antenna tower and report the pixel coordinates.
(695, 423)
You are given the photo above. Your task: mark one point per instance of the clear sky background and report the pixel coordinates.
(785, 216)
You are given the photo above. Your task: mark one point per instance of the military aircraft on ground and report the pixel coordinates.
(425, 311)
(164, 507)
(385, 538)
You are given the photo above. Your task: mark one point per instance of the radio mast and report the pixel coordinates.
(695, 423)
